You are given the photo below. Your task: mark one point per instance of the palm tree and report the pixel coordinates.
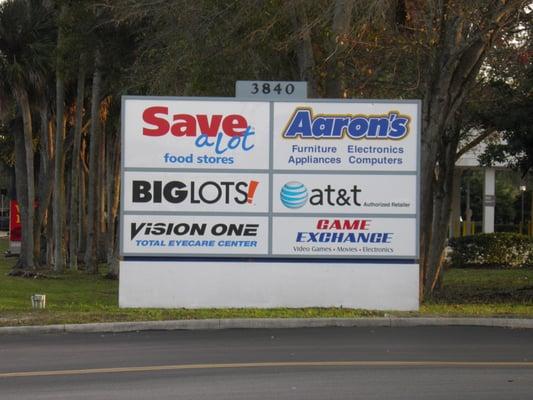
(26, 44)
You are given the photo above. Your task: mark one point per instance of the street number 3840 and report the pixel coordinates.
(267, 88)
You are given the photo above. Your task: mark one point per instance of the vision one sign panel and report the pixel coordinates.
(205, 235)
(227, 178)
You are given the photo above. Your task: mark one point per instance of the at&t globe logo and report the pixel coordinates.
(294, 195)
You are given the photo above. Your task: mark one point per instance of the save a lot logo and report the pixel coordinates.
(218, 132)
(303, 124)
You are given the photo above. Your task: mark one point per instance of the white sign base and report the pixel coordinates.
(173, 284)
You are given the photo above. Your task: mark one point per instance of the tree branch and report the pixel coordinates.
(470, 145)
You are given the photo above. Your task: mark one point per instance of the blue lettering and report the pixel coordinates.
(322, 127)
(300, 124)
(344, 237)
(386, 126)
(398, 126)
(358, 128)
(221, 146)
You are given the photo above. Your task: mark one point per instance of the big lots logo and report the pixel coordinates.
(210, 192)
(222, 132)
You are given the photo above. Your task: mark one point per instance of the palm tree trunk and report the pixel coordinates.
(113, 201)
(59, 177)
(45, 182)
(84, 171)
(93, 170)
(27, 219)
(59, 165)
(74, 224)
(101, 204)
(20, 187)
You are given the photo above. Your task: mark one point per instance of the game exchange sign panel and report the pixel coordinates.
(229, 178)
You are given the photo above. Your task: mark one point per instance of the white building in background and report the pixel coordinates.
(470, 160)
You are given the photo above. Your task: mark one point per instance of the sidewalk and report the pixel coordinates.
(269, 323)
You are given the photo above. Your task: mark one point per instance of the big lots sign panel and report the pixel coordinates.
(195, 192)
(196, 134)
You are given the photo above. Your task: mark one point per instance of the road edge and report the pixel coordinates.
(268, 323)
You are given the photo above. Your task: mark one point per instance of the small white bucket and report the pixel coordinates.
(38, 301)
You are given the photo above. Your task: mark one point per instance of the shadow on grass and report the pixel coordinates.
(485, 286)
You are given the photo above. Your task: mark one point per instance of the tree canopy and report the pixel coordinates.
(460, 57)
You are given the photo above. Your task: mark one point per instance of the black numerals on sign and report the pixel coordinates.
(266, 88)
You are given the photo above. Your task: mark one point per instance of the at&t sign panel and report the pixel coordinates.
(230, 203)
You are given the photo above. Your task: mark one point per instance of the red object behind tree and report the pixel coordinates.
(15, 228)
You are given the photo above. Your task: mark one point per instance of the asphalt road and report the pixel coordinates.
(320, 363)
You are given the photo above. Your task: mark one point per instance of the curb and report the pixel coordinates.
(267, 323)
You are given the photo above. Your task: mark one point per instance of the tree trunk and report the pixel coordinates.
(101, 203)
(59, 178)
(89, 259)
(531, 216)
(22, 194)
(49, 234)
(59, 164)
(304, 50)
(442, 201)
(113, 201)
(45, 184)
(84, 171)
(74, 224)
(114, 262)
(27, 220)
(342, 18)
(453, 68)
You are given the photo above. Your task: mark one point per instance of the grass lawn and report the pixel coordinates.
(79, 297)
(484, 292)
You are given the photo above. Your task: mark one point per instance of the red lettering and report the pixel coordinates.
(209, 129)
(349, 225)
(184, 125)
(234, 125)
(346, 224)
(322, 224)
(192, 125)
(150, 117)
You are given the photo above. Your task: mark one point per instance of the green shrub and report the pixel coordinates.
(496, 250)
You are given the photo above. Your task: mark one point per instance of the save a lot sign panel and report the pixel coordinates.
(277, 180)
